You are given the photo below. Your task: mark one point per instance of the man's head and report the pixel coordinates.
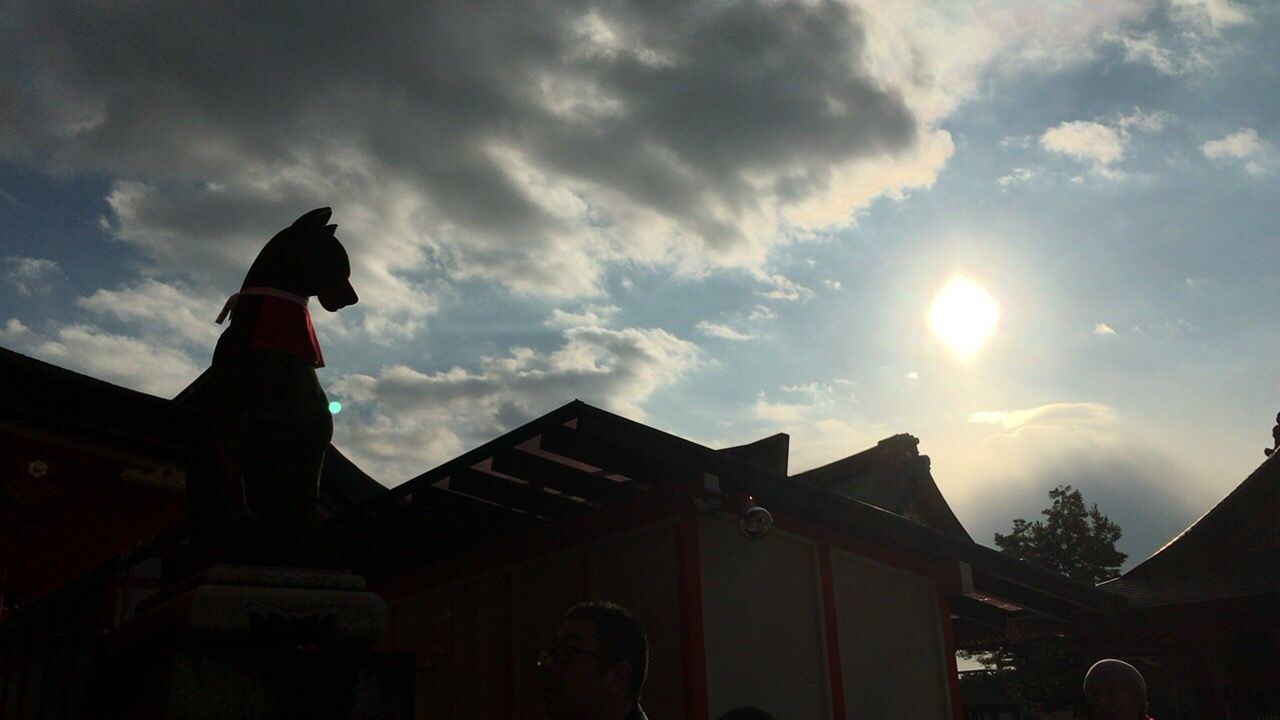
(1115, 691)
(596, 665)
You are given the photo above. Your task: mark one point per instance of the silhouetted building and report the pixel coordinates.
(1204, 611)
(851, 605)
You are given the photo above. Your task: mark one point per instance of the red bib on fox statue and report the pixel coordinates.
(284, 324)
(253, 497)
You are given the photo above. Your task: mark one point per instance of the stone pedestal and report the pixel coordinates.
(256, 642)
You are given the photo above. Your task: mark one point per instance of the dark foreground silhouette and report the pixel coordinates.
(253, 499)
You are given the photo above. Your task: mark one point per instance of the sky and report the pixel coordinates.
(724, 220)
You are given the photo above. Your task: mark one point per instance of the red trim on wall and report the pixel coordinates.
(508, 642)
(692, 649)
(949, 651)
(830, 619)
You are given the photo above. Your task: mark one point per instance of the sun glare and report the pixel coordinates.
(963, 316)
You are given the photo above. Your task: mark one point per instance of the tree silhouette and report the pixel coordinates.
(1073, 540)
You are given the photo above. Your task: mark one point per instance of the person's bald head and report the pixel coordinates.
(1115, 691)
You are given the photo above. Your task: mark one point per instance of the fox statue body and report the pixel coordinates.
(253, 499)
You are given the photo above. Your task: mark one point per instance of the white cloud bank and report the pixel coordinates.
(529, 146)
(1243, 145)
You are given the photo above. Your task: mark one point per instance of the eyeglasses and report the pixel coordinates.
(560, 652)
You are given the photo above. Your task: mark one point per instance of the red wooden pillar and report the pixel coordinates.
(692, 648)
(1207, 687)
(949, 649)
(830, 619)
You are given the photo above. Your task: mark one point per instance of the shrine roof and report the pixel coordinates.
(892, 475)
(1228, 552)
(577, 459)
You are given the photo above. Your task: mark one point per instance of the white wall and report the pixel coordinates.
(762, 615)
(891, 646)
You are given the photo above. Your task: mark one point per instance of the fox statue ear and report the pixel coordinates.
(315, 219)
(329, 229)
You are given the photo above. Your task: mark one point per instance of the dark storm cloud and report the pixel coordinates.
(695, 121)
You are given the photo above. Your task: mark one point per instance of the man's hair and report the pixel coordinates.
(621, 638)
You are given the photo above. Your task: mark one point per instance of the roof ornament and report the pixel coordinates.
(1275, 436)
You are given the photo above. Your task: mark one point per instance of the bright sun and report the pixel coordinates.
(963, 316)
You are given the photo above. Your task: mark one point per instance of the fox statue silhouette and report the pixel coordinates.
(252, 499)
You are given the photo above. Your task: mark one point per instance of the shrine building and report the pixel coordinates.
(845, 597)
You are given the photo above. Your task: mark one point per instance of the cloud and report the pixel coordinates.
(724, 332)
(1217, 14)
(1016, 176)
(1143, 121)
(779, 412)
(814, 389)
(531, 146)
(1101, 143)
(1051, 415)
(780, 287)
(989, 477)
(832, 284)
(1147, 48)
(941, 52)
(1103, 329)
(1133, 484)
(587, 316)
(1243, 145)
(822, 418)
(1188, 41)
(818, 398)
(526, 146)
(128, 361)
(209, 235)
(403, 421)
(30, 276)
(762, 313)
(1086, 141)
(161, 311)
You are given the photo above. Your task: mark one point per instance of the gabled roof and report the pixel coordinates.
(578, 459)
(1231, 551)
(892, 475)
